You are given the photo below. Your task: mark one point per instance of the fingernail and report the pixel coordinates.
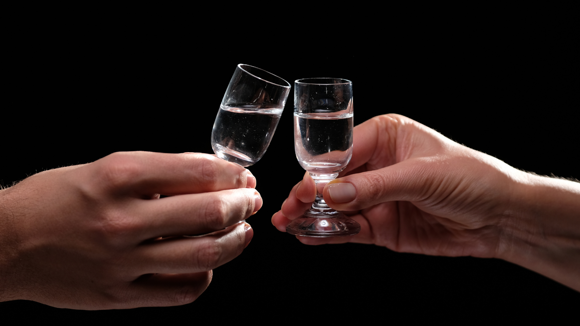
(257, 201)
(251, 180)
(341, 192)
(249, 233)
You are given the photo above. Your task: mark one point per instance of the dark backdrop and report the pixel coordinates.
(508, 90)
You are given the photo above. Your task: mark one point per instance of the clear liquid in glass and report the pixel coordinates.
(242, 134)
(323, 141)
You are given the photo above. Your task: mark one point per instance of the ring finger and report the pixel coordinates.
(191, 255)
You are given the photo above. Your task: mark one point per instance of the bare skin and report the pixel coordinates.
(414, 190)
(98, 236)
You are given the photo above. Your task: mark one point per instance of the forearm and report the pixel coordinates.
(7, 250)
(541, 230)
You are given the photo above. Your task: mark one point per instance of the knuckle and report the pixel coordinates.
(215, 213)
(209, 255)
(241, 179)
(109, 296)
(118, 170)
(249, 207)
(115, 299)
(192, 291)
(186, 295)
(207, 169)
(115, 227)
(390, 119)
(374, 186)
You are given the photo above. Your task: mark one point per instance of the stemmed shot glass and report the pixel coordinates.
(323, 127)
(248, 115)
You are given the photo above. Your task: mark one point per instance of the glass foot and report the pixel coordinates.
(323, 227)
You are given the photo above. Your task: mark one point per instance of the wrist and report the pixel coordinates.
(541, 228)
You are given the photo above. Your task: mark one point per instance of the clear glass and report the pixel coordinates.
(248, 115)
(323, 126)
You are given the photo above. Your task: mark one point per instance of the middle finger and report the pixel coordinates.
(195, 213)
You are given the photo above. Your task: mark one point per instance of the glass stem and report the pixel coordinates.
(321, 181)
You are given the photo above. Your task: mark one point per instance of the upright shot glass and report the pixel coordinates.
(323, 127)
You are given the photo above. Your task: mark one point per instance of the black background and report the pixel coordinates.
(508, 89)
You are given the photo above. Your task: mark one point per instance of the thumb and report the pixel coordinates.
(404, 181)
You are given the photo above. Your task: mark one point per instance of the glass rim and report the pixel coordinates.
(242, 65)
(303, 81)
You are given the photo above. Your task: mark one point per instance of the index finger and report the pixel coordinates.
(170, 174)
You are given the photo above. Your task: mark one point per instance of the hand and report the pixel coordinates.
(98, 236)
(413, 190)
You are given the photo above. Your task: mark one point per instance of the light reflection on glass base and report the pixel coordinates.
(312, 224)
